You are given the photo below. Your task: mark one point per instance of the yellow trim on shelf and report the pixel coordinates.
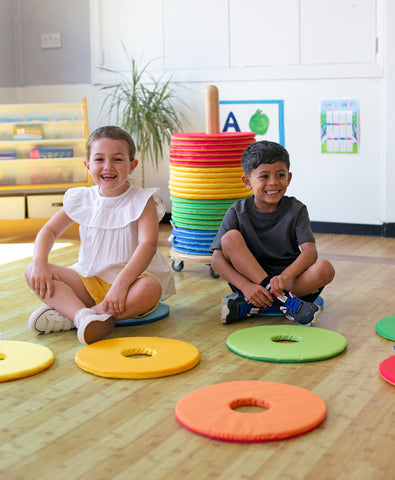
(29, 227)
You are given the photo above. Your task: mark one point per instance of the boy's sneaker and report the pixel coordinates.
(46, 320)
(235, 307)
(301, 312)
(93, 327)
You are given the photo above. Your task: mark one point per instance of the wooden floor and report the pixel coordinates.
(65, 423)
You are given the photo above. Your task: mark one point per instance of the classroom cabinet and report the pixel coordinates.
(42, 150)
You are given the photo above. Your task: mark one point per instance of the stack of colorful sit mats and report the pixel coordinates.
(205, 179)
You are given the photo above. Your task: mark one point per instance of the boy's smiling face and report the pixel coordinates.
(269, 182)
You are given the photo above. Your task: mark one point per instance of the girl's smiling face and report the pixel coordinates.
(109, 164)
(269, 182)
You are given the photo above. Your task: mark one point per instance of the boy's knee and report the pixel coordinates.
(231, 239)
(327, 271)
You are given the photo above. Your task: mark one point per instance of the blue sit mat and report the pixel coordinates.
(194, 233)
(201, 252)
(275, 312)
(192, 242)
(161, 311)
(189, 244)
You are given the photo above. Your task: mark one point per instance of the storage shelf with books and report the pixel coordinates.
(42, 150)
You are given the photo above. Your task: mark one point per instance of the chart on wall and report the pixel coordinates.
(339, 126)
(263, 117)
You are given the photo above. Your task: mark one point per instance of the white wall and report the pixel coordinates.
(45, 66)
(299, 51)
(337, 188)
(7, 45)
(388, 105)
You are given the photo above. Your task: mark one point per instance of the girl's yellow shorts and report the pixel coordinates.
(98, 289)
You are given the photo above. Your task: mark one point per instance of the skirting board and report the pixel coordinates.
(384, 230)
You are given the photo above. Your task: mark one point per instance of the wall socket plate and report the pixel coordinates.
(51, 40)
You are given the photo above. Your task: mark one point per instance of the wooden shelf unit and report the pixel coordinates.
(32, 189)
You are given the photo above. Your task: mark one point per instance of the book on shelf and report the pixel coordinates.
(51, 153)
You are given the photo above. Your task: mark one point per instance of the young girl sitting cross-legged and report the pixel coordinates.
(120, 273)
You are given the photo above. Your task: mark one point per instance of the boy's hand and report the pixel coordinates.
(258, 295)
(282, 282)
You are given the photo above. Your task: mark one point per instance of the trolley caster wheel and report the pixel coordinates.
(177, 265)
(213, 274)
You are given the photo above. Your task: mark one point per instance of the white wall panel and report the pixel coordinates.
(339, 31)
(196, 34)
(263, 32)
(137, 25)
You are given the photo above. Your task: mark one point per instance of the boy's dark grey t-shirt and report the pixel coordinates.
(273, 237)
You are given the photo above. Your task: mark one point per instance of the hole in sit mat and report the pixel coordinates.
(136, 353)
(286, 339)
(249, 405)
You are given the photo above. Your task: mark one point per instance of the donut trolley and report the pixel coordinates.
(205, 179)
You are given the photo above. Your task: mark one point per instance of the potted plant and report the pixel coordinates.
(145, 107)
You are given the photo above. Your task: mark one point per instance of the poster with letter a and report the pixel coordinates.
(339, 126)
(263, 117)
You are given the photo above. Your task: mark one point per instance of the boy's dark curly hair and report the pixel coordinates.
(263, 152)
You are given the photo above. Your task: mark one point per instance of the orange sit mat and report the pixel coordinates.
(22, 359)
(287, 411)
(137, 357)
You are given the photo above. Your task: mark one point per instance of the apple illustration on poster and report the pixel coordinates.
(259, 123)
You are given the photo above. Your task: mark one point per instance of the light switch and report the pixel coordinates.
(51, 40)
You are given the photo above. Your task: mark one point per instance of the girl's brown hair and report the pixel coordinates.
(114, 133)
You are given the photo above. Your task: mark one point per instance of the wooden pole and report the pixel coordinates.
(212, 110)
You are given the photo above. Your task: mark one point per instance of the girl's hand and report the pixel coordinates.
(114, 301)
(41, 280)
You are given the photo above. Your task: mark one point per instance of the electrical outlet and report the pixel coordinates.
(51, 40)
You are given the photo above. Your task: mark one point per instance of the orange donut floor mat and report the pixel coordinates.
(287, 411)
(137, 357)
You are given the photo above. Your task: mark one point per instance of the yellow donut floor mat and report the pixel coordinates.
(22, 359)
(137, 357)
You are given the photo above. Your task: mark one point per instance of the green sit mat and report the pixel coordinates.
(286, 343)
(205, 203)
(161, 311)
(386, 327)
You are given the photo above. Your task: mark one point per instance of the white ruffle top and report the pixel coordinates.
(108, 232)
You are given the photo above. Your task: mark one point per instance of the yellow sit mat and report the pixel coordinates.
(22, 359)
(201, 187)
(137, 357)
(212, 196)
